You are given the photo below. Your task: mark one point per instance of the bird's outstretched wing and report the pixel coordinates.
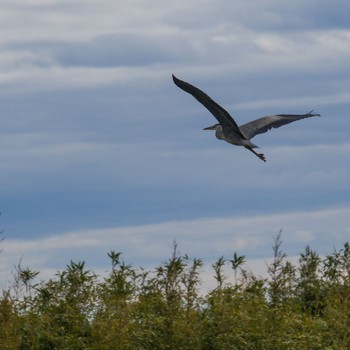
(217, 111)
(261, 125)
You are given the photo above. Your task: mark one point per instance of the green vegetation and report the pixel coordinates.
(306, 306)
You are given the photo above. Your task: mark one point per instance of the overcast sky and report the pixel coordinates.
(99, 150)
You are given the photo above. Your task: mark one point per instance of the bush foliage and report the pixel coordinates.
(302, 306)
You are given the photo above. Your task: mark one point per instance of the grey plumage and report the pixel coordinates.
(228, 130)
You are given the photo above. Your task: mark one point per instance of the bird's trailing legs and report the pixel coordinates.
(260, 155)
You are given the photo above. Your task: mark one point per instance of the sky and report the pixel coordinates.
(100, 151)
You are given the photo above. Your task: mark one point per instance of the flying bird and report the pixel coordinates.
(228, 130)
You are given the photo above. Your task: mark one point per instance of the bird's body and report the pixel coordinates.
(228, 130)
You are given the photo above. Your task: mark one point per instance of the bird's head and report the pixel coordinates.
(213, 127)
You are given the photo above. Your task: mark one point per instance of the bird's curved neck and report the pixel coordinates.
(219, 134)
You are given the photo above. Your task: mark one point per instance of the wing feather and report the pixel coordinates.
(222, 116)
(262, 125)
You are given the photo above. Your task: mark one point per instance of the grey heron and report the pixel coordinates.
(228, 130)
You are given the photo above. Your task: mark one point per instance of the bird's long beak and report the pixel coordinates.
(213, 127)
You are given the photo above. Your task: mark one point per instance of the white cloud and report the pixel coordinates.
(305, 235)
(68, 78)
(162, 37)
(296, 101)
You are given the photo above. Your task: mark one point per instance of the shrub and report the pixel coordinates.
(306, 306)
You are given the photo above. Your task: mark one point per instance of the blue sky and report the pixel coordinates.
(99, 149)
